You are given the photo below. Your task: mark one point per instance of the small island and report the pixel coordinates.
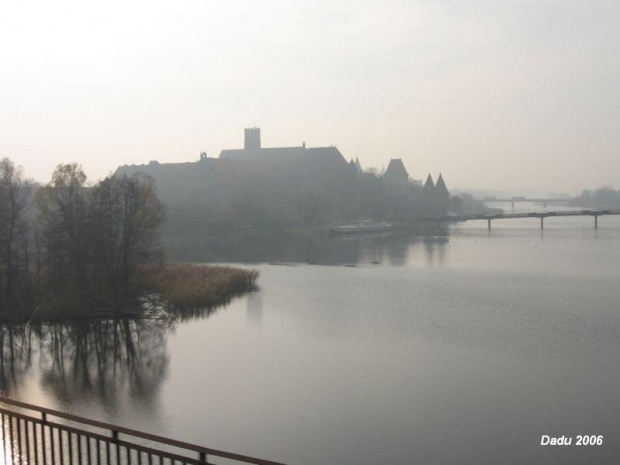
(70, 249)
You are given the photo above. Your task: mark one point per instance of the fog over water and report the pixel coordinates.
(456, 348)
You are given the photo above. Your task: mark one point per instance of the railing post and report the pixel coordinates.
(118, 447)
(202, 457)
(44, 418)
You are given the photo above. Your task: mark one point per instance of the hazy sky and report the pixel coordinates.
(494, 94)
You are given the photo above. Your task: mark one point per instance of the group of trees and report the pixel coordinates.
(71, 245)
(200, 206)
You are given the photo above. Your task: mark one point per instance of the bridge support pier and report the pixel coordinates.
(595, 221)
(489, 225)
(542, 222)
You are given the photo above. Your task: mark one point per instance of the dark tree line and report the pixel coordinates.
(69, 245)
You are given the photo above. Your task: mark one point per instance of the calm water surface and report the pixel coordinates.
(455, 349)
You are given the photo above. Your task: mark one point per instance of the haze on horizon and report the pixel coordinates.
(493, 94)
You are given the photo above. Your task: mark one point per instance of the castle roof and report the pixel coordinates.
(266, 154)
(440, 187)
(324, 156)
(429, 187)
(358, 165)
(183, 174)
(396, 167)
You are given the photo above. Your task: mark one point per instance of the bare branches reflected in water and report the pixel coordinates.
(15, 355)
(103, 359)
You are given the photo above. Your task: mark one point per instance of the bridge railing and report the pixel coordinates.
(54, 437)
(542, 214)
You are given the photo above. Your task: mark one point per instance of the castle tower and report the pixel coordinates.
(396, 176)
(252, 139)
(429, 187)
(441, 190)
(443, 196)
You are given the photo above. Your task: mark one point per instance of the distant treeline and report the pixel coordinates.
(249, 206)
(200, 208)
(602, 197)
(69, 245)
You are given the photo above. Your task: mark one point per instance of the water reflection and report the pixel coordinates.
(435, 249)
(78, 360)
(255, 309)
(475, 325)
(103, 359)
(321, 249)
(15, 355)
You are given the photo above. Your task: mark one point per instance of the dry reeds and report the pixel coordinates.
(198, 286)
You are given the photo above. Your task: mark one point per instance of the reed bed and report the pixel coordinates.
(199, 286)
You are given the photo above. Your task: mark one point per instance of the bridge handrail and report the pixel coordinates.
(138, 434)
(499, 216)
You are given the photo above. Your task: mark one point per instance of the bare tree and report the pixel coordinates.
(62, 216)
(14, 199)
(127, 215)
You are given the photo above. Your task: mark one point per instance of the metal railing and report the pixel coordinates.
(38, 440)
(505, 216)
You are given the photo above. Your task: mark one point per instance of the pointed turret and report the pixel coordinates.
(440, 187)
(442, 196)
(396, 177)
(429, 186)
(396, 168)
(358, 164)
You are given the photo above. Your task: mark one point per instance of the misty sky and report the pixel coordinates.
(494, 94)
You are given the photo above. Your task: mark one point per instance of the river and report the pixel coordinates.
(462, 347)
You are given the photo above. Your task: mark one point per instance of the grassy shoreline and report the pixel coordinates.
(173, 288)
(189, 286)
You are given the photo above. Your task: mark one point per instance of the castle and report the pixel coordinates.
(257, 179)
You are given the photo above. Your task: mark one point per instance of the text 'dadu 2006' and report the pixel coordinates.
(580, 440)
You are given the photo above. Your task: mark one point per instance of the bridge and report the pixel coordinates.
(540, 215)
(33, 435)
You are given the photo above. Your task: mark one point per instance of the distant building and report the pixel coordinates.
(266, 182)
(255, 179)
(314, 159)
